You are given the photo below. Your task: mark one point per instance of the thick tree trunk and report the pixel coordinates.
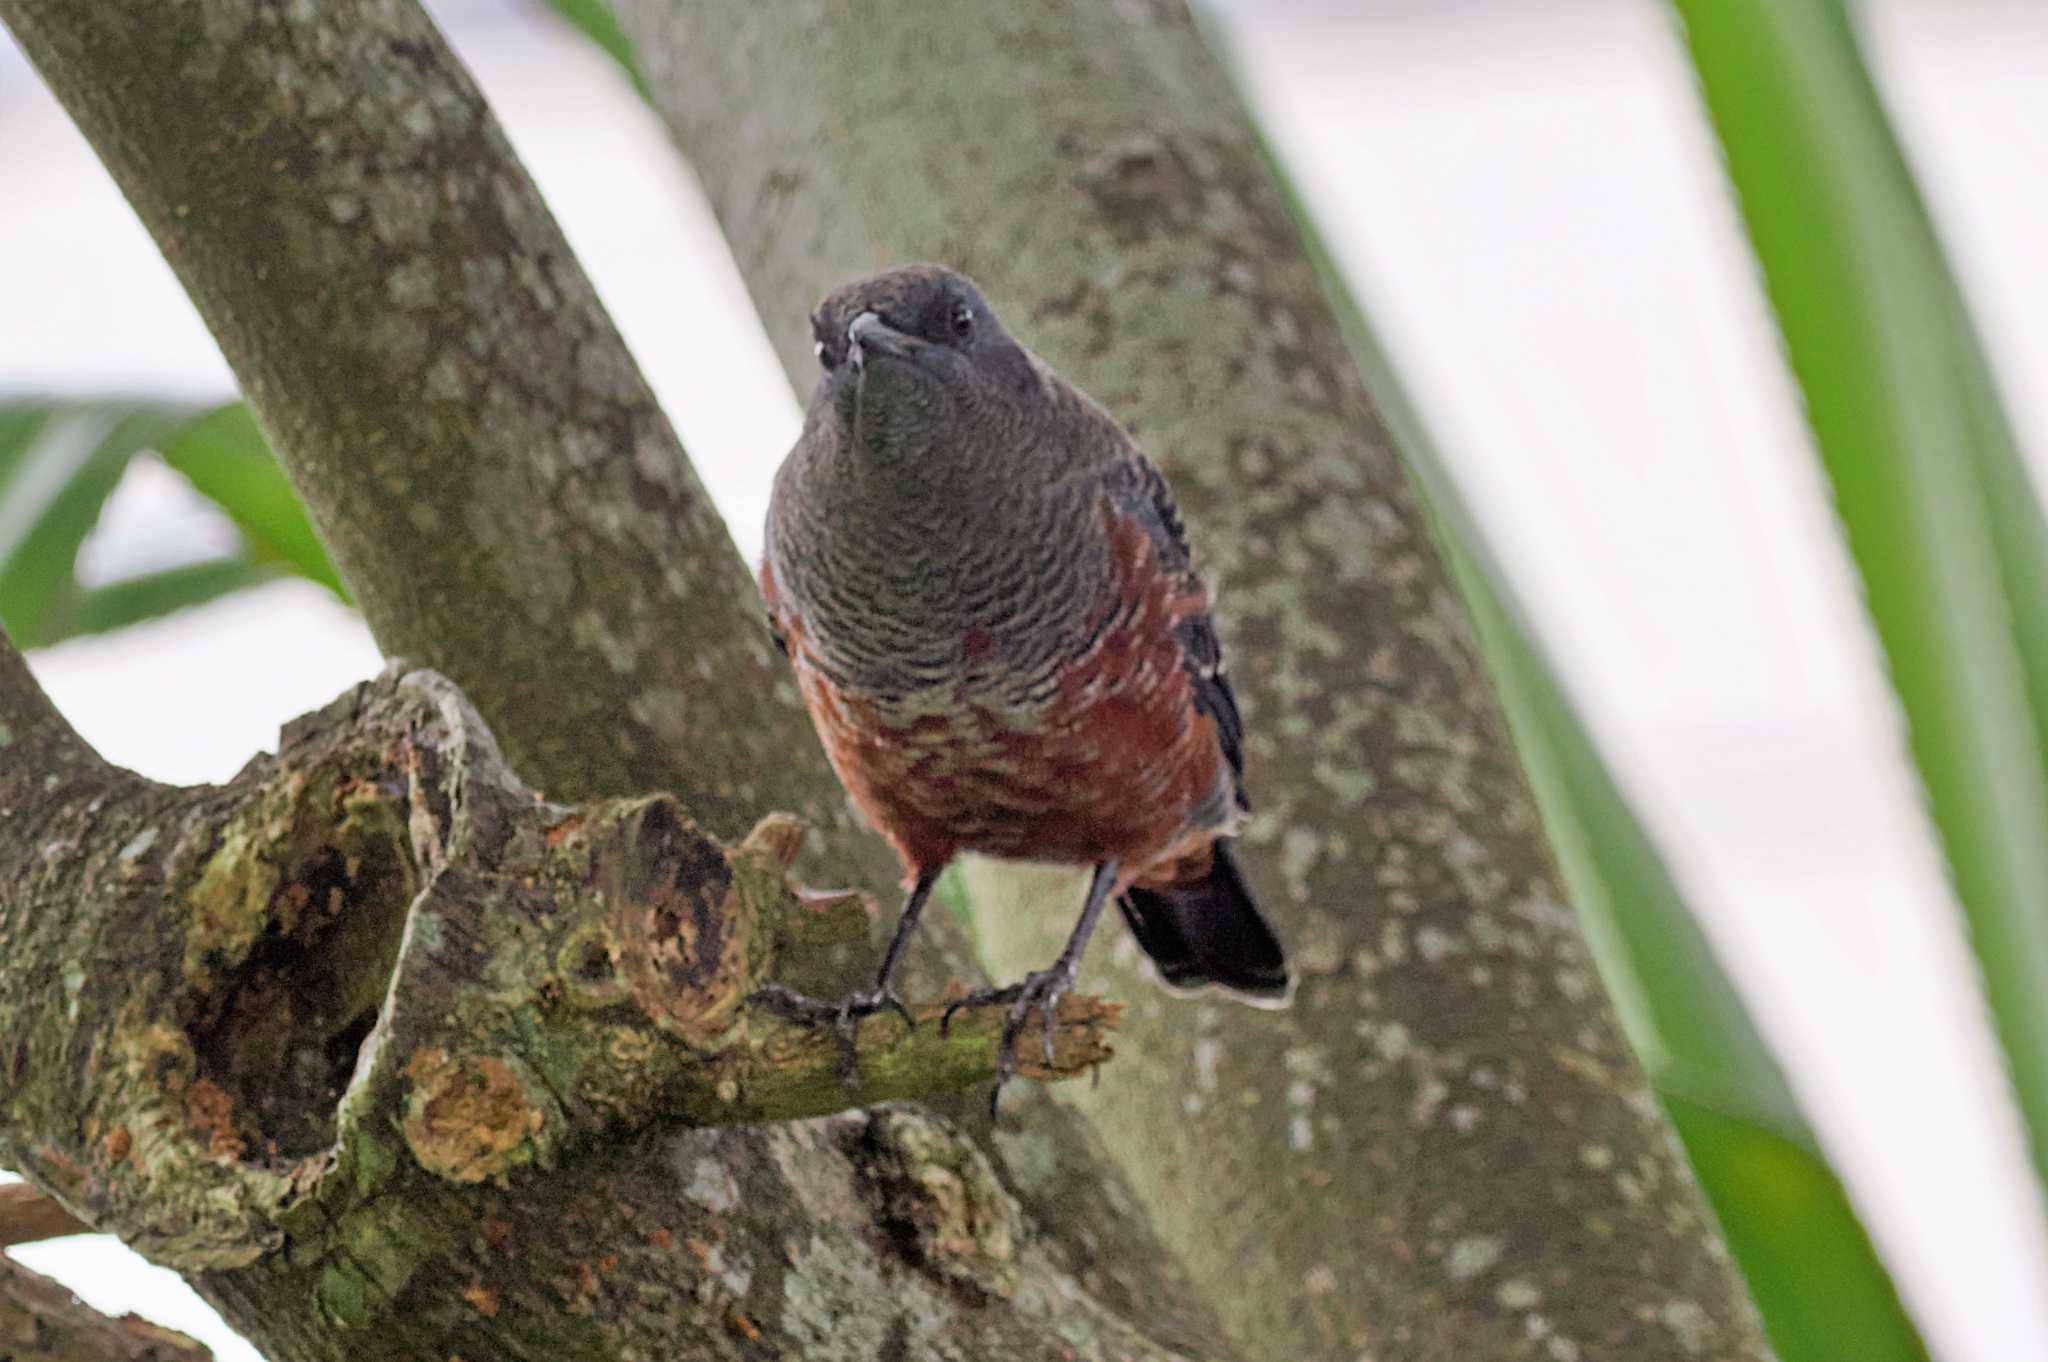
(396, 1060)
(1445, 1149)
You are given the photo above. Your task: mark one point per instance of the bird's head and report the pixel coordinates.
(915, 346)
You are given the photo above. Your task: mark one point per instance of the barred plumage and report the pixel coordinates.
(990, 605)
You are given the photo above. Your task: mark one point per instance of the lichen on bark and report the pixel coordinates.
(373, 1015)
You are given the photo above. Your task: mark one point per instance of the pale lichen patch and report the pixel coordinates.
(417, 118)
(1517, 1294)
(835, 1301)
(1435, 944)
(1207, 1052)
(1429, 1099)
(1574, 984)
(1299, 850)
(711, 1186)
(1473, 1255)
(1688, 1323)
(411, 283)
(135, 847)
(592, 629)
(445, 380)
(811, 1170)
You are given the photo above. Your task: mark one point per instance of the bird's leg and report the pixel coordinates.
(1041, 988)
(883, 994)
(848, 1011)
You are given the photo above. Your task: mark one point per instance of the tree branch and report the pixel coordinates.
(374, 992)
(521, 978)
(29, 1216)
(1448, 1125)
(482, 457)
(42, 1322)
(39, 750)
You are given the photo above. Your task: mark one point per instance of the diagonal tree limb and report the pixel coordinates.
(39, 749)
(493, 477)
(42, 1322)
(28, 1216)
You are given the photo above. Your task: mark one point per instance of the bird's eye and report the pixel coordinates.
(818, 349)
(963, 321)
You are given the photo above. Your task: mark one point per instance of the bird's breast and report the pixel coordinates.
(969, 604)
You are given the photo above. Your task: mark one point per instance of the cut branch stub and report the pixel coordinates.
(379, 943)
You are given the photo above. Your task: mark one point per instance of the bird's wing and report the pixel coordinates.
(1138, 492)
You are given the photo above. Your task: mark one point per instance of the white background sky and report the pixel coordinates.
(1529, 203)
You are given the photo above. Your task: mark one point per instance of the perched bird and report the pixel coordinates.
(988, 599)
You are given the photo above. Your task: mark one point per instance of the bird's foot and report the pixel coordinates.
(845, 1016)
(1042, 989)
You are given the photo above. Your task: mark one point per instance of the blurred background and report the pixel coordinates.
(1529, 203)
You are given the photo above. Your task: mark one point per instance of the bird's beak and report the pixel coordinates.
(868, 332)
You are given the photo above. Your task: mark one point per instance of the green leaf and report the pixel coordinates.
(152, 595)
(1785, 1214)
(1821, 1291)
(59, 462)
(224, 456)
(595, 20)
(1944, 524)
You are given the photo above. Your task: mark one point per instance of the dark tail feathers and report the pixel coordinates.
(1210, 932)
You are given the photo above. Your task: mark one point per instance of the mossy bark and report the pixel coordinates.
(394, 1059)
(1444, 1150)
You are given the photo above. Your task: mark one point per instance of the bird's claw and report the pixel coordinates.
(1041, 988)
(845, 1016)
(854, 1006)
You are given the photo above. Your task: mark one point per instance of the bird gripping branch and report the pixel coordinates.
(989, 601)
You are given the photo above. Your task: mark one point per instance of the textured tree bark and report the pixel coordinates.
(475, 444)
(1445, 1149)
(42, 1322)
(396, 1060)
